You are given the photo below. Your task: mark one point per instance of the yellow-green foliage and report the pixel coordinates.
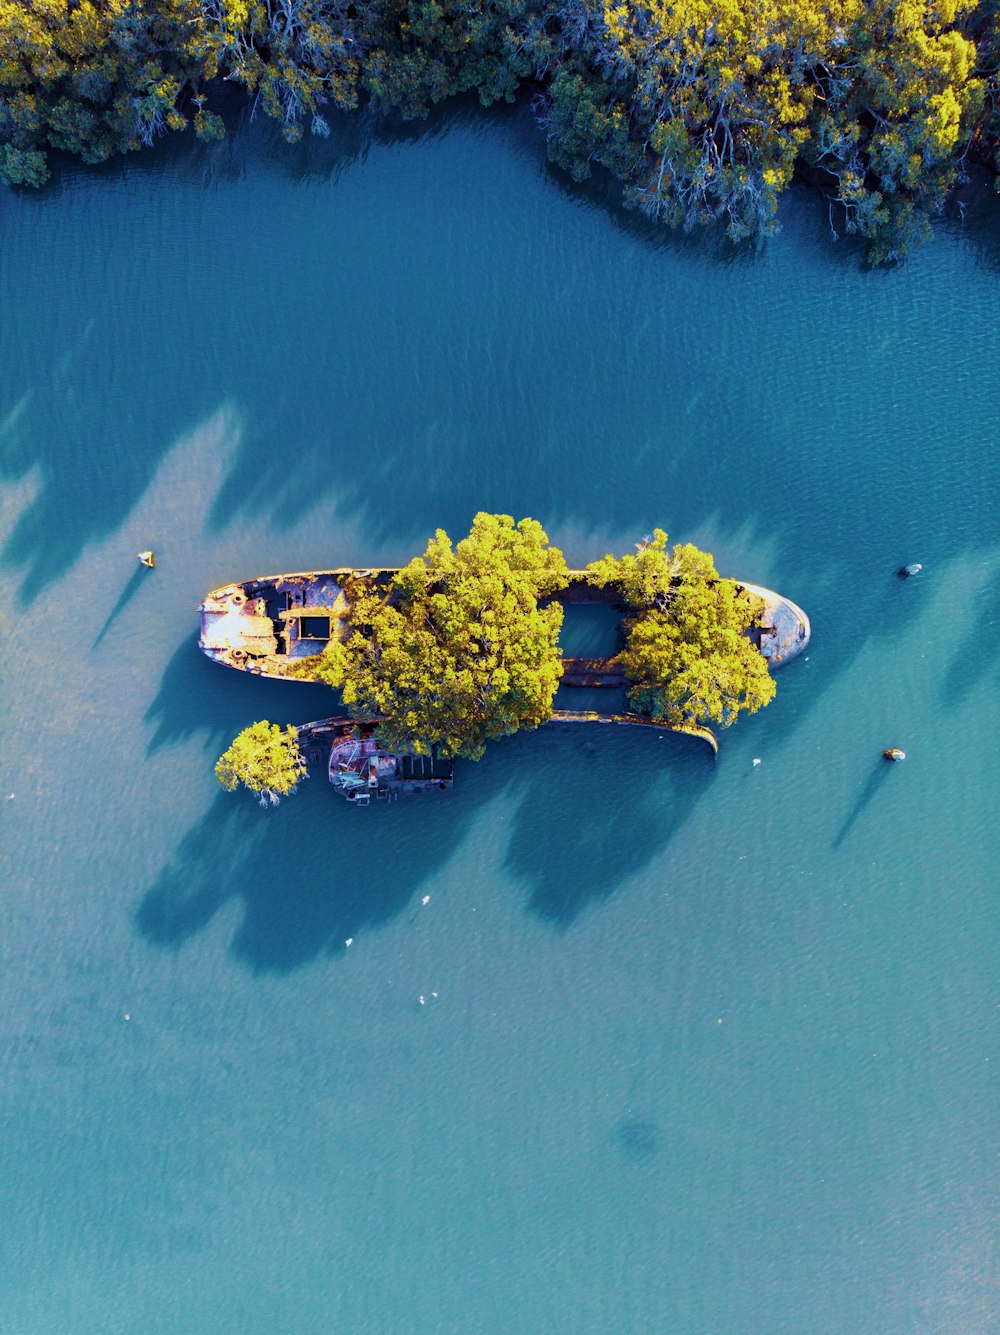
(900, 106)
(458, 651)
(648, 578)
(297, 55)
(686, 652)
(264, 758)
(730, 94)
(703, 108)
(92, 77)
(722, 88)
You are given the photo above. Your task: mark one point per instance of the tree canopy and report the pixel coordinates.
(702, 108)
(729, 96)
(264, 758)
(686, 651)
(457, 650)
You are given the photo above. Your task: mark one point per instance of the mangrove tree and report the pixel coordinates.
(687, 654)
(458, 648)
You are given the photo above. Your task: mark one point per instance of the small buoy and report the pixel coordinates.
(904, 572)
(147, 559)
(894, 753)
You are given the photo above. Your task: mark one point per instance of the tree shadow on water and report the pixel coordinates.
(976, 655)
(311, 874)
(84, 420)
(198, 697)
(978, 223)
(603, 803)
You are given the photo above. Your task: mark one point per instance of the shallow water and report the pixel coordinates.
(713, 1046)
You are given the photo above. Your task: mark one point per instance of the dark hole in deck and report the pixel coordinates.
(314, 628)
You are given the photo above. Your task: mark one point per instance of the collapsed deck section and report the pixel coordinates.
(362, 770)
(263, 625)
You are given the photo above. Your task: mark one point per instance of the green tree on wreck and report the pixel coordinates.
(457, 650)
(686, 652)
(264, 758)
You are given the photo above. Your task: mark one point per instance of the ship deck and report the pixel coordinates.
(264, 624)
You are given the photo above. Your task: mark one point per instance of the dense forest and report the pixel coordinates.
(702, 109)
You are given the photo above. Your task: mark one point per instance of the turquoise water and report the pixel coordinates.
(704, 1049)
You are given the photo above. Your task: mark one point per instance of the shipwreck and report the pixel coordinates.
(268, 625)
(361, 769)
(263, 625)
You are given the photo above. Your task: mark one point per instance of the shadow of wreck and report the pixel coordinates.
(619, 800)
(310, 874)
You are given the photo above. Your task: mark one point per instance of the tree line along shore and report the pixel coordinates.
(702, 109)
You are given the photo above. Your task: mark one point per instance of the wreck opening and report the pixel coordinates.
(314, 627)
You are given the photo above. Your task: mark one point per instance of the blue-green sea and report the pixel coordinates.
(704, 1048)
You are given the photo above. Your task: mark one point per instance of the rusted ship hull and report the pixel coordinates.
(362, 771)
(268, 624)
(264, 625)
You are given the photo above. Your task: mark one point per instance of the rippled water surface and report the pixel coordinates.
(705, 1049)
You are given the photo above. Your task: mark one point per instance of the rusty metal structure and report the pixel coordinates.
(263, 625)
(268, 625)
(363, 771)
